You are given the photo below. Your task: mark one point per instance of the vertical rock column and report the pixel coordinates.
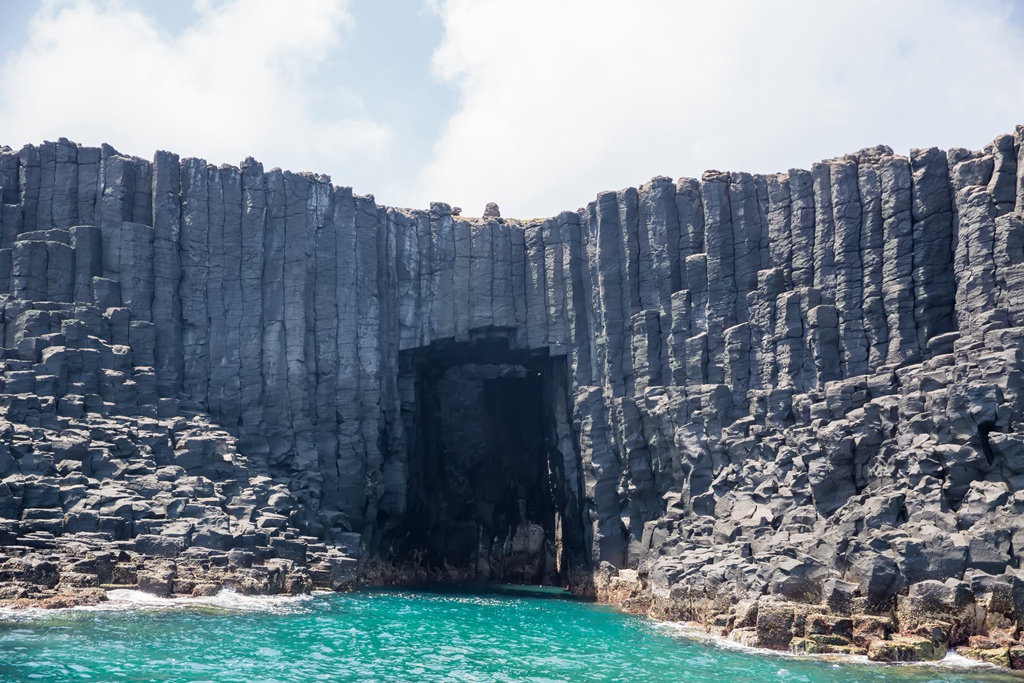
(898, 268)
(629, 255)
(737, 364)
(324, 335)
(298, 251)
(481, 275)
(747, 233)
(846, 212)
(654, 275)
(297, 283)
(65, 187)
(47, 179)
(1003, 183)
(28, 270)
(387, 481)
(502, 297)
(29, 180)
(135, 269)
(697, 344)
(10, 164)
(368, 344)
(1018, 141)
(408, 264)
(575, 269)
(1009, 259)
(233, 294)
(88, 182)
(679, 332)
(823, 341)
(788, 337)
(442, 295)
(1008, 190)
(276, 406)
(721, 263)
(659, 243)
(400, 285)
(824, 233)
(517, 247)
(536, 308)
(167, 315)
(765, 345)
(749, 200)
(977, 300)
(116, 202)
(802, 210)
(646, 349)
(780, 223)
(142, 203)
(87, 245)
(602, 471)
(629, 258)
(10, 210)
(195, 267)
(556, 288)
(425, 251)
(608, 289)
(252, 233)
(660, 274)
(690, 214)
(215, 284)
(932, 218)
(351, 496)
(461, 283)
(872, 254)
(775, 353)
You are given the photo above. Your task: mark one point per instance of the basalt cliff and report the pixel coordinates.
(788, 406)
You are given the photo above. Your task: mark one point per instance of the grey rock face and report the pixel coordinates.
(806, 384)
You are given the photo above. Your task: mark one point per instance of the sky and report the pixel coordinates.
(537, 105)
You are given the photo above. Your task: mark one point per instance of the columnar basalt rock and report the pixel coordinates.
(803, 386)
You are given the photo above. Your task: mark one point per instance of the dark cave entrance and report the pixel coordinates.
(485, 496)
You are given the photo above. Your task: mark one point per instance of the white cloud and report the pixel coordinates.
(240, 81)
(563, 98)
(559, 99)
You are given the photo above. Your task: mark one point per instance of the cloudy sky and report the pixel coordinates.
(534, 104)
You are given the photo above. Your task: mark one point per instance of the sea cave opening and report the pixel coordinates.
(485, 492)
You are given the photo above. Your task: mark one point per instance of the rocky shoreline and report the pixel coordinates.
(978, 622)
(77, 573)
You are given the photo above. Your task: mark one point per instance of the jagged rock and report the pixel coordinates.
(158, 546)
(157, 582)
(904, 649)
(775, 622)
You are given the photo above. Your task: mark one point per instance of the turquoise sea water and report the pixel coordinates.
(444, 635)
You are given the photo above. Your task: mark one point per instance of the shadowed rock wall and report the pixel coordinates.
(820, 366)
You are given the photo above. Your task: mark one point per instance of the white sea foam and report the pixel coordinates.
(955, 661)
(226, 599)
(125, 599)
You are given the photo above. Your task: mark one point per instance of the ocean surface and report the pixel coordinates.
(495, 634)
